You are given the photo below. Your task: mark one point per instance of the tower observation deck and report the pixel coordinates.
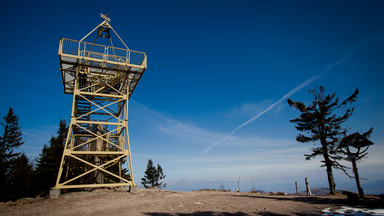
(101, 79)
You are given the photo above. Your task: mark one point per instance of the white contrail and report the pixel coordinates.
(293, 91)
(302, 85)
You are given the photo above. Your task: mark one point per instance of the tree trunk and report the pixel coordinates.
(331, 181)
(328, 164)
(357, 178)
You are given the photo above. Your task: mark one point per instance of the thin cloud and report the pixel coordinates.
(188, 132)
(261, 168)
(168, 126)
(250, 108)
(38, 134)
(346, 56)
(283, 156)
(251, 165)
(156, 156)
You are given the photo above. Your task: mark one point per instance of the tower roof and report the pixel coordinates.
(355, 140)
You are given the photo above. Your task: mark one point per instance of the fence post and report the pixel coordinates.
(307, 187)
(78, 49)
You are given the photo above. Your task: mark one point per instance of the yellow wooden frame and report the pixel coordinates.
(101, 79)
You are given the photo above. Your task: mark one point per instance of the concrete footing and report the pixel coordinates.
(54, 193)
(134, 189)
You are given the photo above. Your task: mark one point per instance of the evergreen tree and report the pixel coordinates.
(11, 138)
(20, 178)
(15, 169)
(48, 162)
(152, 176)
(319, 121)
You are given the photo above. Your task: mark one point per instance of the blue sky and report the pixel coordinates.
(212, 66)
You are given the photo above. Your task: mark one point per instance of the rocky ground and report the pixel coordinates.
(154, 202)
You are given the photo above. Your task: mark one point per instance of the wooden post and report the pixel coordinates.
(357, 178)
(297, 189)
(307, 187)
(238, 185)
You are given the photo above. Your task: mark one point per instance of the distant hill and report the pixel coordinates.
(375, 188)
(316, 191)
(319, 191)
(258, 191)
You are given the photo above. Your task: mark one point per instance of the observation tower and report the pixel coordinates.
(101, 79)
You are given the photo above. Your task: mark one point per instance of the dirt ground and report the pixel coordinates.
(154, 202)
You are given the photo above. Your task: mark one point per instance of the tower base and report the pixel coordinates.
(54, 193)
(134, 189)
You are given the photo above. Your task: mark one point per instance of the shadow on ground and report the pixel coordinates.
(198, 213)
(304, 199)
(211, 213)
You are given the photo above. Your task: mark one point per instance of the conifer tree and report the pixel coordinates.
(15, 169)
(48, 162)
(320, 122)
(152, 176)
(11, 138)
(20, 177)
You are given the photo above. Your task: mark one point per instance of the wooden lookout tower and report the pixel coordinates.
(101, 78)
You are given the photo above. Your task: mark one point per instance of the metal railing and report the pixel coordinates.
(105, 53)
